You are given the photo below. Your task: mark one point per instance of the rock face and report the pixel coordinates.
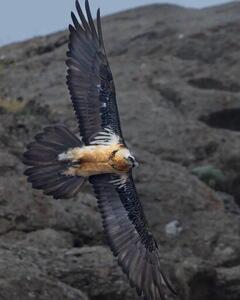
(177, 74)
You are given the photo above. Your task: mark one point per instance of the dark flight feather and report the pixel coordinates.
(129, 238)
(91, 23)
(89, 78)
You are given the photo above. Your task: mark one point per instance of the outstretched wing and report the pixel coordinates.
(127, 232)
(89, 78)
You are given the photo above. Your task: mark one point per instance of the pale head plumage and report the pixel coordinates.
(127, 155)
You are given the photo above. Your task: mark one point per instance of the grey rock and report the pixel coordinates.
(45, 238)
(177, 76)
(173, 228)
(23, 277)
(92, 270)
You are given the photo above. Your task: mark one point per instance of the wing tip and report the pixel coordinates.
(87, 6)
(77, 4)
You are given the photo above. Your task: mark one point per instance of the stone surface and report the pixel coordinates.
(177, 75)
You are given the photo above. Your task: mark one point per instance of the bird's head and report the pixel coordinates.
(124, 157)
(132, 161)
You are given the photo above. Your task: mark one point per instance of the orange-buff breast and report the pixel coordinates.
(95, 160)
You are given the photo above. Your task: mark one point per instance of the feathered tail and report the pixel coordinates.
(46, 171)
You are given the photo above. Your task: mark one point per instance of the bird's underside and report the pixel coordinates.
(93, 160)
(59, 162)
(104, 155)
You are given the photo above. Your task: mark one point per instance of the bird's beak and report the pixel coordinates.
(136, 164)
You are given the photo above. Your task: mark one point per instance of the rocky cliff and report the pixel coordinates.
(177, 73)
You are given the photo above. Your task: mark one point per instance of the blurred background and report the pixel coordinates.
(177, 75)
(24, 19)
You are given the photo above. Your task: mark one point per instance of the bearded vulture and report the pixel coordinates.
(59, 162)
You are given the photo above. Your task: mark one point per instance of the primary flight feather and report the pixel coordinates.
(59, 162)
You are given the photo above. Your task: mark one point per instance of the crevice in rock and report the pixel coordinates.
(46, 47)
(202, 286)
(225, 119)
(108, 296)
(208, 83)
(150, 35)
(83, 240)
(118, 51)
(234, 189)
(231, 263)
(171, 95)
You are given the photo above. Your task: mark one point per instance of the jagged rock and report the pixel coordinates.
(38, 288)
(177, 77)
(92, 270)
(24, 277)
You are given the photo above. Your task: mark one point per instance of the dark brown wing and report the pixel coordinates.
(129, 238)
(89, 78)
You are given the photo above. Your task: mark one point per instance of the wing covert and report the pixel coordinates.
(129, 238)
(89, 78)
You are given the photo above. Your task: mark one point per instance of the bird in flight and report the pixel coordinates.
(59, 162)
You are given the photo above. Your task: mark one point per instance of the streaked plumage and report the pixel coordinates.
(60, 162)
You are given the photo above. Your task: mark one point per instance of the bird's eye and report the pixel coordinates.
(131, 159)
